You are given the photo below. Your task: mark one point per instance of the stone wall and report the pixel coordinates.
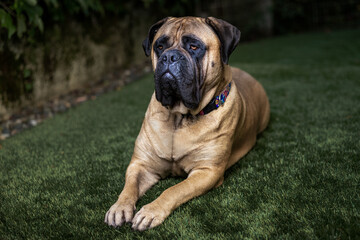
(72, 55)
(66, 58)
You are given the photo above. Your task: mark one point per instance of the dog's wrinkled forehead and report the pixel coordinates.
(175, 28)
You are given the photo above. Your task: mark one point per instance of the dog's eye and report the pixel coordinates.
(160, 47)
(193, 47)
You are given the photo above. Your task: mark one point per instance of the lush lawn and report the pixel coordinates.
(302, 180)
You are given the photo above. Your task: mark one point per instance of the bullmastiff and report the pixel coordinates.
(202, 118)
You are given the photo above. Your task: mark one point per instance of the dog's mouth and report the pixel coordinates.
(168, 75)
(176, 80)
(169, 83)
(168, 92)
(172, 89)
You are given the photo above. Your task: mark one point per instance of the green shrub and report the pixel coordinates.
(302, 15)
(26, 18)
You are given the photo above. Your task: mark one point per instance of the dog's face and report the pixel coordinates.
(188, 55)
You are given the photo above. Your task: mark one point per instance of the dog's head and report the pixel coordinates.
(188, 56)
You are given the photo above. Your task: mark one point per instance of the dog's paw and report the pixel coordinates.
(149, 216)
(119, 213)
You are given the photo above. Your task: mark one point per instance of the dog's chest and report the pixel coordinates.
(179, 138)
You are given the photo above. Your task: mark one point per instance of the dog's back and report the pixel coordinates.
(255, 104)
(255, 95)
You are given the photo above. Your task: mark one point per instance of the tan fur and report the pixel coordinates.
(201, 148)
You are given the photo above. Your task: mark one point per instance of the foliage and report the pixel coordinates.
(28, 17)
(300, 15)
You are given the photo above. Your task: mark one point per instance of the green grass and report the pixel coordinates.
(302, 179)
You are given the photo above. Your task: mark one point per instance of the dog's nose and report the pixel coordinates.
(171, 57)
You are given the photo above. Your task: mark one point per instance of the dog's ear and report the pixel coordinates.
(228, 35)
(153, 30)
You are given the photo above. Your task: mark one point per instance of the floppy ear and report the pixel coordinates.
(153, 30)
(228, 35)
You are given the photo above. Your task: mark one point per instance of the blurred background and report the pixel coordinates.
(55, 54)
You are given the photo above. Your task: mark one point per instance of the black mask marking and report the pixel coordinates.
(178, 76)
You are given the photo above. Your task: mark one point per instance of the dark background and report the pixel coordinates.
(57, 30)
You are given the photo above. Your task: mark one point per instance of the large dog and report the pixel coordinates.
(203, 117)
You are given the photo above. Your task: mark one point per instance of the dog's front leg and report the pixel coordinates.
(197, 183)
(137, 181)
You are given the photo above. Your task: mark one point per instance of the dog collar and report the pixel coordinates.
(216, 102)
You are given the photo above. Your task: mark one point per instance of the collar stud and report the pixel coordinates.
(216, 102)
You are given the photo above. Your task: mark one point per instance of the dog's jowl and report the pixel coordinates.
(202, 118)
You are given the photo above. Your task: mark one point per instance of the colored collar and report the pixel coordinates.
(216, 101)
